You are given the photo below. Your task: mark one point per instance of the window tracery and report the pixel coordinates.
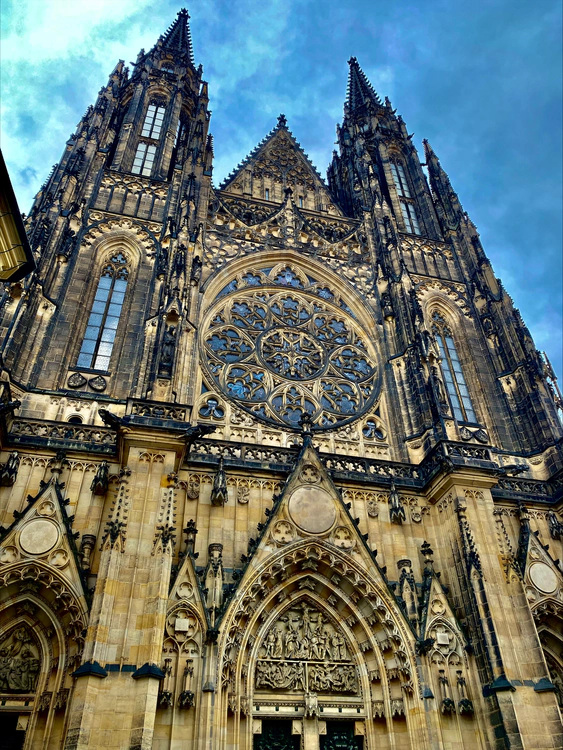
(282, 352)
(101, 330)
(451, 369)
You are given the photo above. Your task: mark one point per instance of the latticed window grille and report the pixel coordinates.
(400, 180)
(104, 317)
(408, 210)
(410, 217)
(144, 159)
(452, 372)
(153, 122)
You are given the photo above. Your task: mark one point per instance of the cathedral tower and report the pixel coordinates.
(282, 466)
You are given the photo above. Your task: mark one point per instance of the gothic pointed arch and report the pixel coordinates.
(43, 605)
(313, 615)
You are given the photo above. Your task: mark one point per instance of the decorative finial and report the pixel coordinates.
(282, 121)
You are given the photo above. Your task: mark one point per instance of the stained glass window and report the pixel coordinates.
(453, 374)
(282, 349)
(101, 330)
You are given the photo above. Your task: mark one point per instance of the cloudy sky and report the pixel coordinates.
(480, 80)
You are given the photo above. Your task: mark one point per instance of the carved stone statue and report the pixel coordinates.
(167, 351)
(9, 470)
(195, 274)
(100, 483)
(219, 493)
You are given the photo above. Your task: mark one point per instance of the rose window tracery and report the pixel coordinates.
(281, 353)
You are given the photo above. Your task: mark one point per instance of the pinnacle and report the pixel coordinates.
(428, 150)
(359, 89)
(178, 37)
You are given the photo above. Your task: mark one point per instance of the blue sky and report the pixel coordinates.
(480, 80)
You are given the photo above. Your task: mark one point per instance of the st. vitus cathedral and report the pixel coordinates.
(281, 464)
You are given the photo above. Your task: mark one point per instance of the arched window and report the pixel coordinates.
(100, 333)
(408, 209)
(452, 372)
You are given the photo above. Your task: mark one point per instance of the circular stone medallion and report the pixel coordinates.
(39, 536)
(312, 509)
(543, 577)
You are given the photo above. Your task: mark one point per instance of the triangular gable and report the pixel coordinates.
(42, 534)
(186, 619)
(543, 578)
(438, 622)
(280, 157)
(310, 507)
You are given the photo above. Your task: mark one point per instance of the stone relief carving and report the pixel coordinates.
(304, 652)
(20, 662)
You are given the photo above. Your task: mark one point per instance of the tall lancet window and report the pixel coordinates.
(452, 372)
(146, 150)
(104, 317)
(400, 180)
(408, 210)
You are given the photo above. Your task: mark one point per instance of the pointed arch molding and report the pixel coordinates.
(378, 640)
(122, 232)
(449, 296)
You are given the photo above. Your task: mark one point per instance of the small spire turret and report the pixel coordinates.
(448, 207)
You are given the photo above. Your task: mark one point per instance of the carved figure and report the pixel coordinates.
(9, 470)
(19, 663)
(100, 483)
(167, 351)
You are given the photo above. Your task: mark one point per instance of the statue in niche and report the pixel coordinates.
(100, 483)
(167, 354)
(19, 662)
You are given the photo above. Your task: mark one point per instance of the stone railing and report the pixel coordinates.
(157, 410)
(42, 432)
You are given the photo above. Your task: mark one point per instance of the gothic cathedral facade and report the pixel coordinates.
(281, 464)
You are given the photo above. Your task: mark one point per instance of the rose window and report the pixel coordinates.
(281, 354)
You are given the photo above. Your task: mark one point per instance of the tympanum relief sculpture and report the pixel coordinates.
(303, 652)
(19, 662)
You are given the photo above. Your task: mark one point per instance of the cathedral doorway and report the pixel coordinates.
(11, 736)
(340, 736)
(276, 735)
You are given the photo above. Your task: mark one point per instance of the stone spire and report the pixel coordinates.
(178, 38)
(359, 90)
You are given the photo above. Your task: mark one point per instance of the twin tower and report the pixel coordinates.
(281, 464)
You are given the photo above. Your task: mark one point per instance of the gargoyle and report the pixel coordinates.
(109, 419)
